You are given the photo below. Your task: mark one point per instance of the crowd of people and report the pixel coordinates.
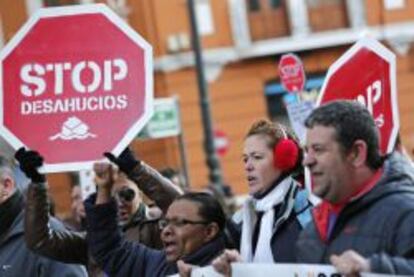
(363, 223)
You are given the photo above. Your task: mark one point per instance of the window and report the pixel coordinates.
(277, 98)
(51, 3)
(316, 3)
(254, 5)
(275, 4)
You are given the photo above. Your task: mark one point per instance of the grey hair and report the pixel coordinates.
(6, 168)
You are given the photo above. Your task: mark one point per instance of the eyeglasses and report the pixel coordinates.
(126, 194)
(177, 223)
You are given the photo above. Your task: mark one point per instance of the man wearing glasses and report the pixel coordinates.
(192, 231)
(133, 214)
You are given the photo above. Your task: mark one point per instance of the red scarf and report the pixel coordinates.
(324, 212)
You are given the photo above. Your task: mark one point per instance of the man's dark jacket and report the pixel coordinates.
(17, 260)
(379, 225)
(142, 229)
(119, 257)
(70, 246)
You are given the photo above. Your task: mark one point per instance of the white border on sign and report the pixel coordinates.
(129, 32)
(379, 49)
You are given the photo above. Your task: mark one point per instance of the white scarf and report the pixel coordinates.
(263, 253)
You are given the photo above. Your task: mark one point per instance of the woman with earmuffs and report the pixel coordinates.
(265, 229)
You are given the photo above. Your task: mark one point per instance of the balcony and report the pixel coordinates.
(399, 35)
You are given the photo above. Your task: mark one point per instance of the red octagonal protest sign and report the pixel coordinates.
(75, 82)
(292, 73)
(367, 73)
(221, 142)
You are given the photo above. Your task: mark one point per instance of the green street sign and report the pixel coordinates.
(165, 121)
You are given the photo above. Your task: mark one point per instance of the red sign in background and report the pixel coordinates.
(292, 73)
(76, 82)
(221, 142)
(367, 73)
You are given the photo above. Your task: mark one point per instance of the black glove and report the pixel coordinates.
(126, 160)
(29, 162)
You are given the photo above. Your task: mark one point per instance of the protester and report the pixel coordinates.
(133, 216)
(366, 220)
(149, 181)
(267, 226)
(153, 211)
(76, 221)
(399, 148)
(15, 258)
(71, 246)
(192, 231)
(175, 176)
(224, 194)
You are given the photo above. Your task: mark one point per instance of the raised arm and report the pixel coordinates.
(61, 245)
(148, 180)
(115, 255)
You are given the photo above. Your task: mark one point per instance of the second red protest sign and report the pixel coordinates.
(367, 73)
(75, 82)
(292, 73)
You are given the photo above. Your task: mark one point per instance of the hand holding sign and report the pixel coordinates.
(126, 161)
(350, 263)
(29, 162)
(222, 263)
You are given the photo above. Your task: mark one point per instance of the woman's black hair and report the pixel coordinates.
(209, 208)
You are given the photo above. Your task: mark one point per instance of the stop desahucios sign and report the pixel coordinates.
(75, 82)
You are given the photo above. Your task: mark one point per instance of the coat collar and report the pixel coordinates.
(9, 214)
(203, 256)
